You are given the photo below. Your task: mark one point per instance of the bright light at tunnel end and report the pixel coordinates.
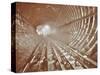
(44, 30)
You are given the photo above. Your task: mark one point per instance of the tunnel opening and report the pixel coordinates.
(45, 30)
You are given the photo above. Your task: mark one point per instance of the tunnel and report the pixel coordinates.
(51, 37)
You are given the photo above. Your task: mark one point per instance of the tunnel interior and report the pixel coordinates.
(52, 37)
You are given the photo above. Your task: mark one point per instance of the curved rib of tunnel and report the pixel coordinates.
(50, 37)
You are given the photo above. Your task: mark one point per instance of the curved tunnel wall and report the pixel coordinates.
(73, 45)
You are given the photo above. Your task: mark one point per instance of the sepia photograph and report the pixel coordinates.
(53, 37)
